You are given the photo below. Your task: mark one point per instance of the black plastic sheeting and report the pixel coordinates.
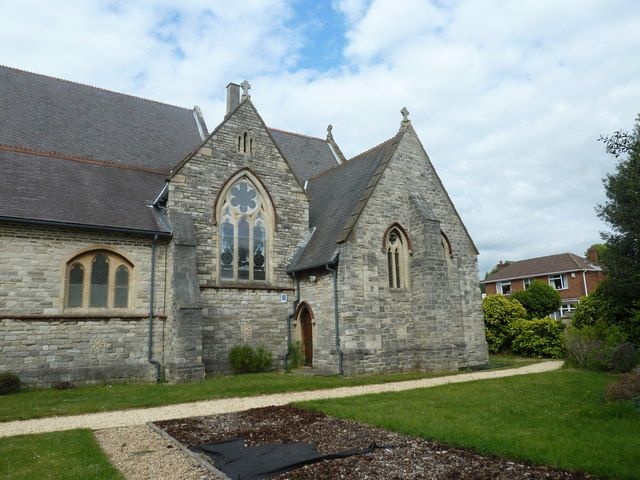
(240, 462)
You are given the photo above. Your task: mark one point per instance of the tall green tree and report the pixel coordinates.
(539, 299)
(621, 211)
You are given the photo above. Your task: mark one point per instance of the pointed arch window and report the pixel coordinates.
(98, 279)
(397, 250)
(447, 251)
(246, 220)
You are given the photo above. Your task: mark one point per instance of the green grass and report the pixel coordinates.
(71, 455)
(557, 418)
(101, 398)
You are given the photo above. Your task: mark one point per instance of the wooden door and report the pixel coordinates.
(307, 337)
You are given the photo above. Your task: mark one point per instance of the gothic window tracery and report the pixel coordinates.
(245, 220)
(397, 258)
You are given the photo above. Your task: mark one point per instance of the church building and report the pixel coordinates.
(137, 245)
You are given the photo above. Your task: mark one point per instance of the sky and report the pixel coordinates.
(509, 98)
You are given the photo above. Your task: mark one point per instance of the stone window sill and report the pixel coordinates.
(247, 286)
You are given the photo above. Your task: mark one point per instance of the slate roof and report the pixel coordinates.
(550, 264)
(49, 189)
(307, 156)
(50, 114)
(337, 198)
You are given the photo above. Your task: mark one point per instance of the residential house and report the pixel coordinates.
(571, 275)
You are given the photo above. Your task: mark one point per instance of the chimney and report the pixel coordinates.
(501, 265)
(233, 97)
(592, 254)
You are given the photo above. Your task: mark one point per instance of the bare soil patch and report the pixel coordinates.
(413, 458)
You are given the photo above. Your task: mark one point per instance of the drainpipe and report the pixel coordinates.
(296, 302)
(152, 288)
(336, 317)
(584, 282)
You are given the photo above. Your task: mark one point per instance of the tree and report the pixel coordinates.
(539, 299)
(621, 211)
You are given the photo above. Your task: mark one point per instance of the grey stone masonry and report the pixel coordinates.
(433, 324)
(241, 313)
(44, 342)
(184, 349)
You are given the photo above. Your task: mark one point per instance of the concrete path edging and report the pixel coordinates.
(140, 416)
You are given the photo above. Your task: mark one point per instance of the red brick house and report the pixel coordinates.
(573, 276)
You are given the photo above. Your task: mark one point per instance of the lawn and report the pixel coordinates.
(557, 418)
(101, 398)
(70, 455)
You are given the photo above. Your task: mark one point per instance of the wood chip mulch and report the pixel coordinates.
(414, 458)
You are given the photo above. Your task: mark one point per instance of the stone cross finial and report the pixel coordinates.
(329, 134)
(405, 117)
(245, 89)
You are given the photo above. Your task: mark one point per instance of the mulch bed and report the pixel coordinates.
(413, 459)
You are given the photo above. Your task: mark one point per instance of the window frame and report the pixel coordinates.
(564, 284)
(85, 260)
(264, 215)
(526, 282)
(500, 290)
(397, 257)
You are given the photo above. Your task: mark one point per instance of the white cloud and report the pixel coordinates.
(508, 97)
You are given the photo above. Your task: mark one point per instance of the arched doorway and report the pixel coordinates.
(305, 320)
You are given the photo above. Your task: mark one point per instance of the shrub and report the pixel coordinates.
(623, 357)
(499, 312)
(600, 347)
(9, 383)
(627, 387)
(538, 299)
(244, 359)
(296, 359)
(539, 337)
(262, 360)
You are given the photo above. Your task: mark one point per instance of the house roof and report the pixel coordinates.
(337, 197)
(550, 264)
(43, 188)
(307, 156)
(50, 114)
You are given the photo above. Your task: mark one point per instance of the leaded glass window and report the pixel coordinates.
(397, 258)
(121, 295)
(98, 279)
(75, 285)
(244, 227)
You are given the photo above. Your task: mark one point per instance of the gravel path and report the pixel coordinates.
(141, 454)
(140, 416)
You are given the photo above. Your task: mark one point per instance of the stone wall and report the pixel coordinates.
(241, 313)
(436, 322)
(318, 295)
(47, 351)
(44, 342)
